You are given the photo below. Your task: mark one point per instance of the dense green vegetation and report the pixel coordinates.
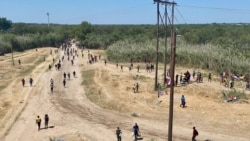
(217, 34)
(22, 36)
(220, 47)
(5, 24)
(102, 36)
(196, 56)
(235, 36)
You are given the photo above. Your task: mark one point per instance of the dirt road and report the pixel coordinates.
(74, 117)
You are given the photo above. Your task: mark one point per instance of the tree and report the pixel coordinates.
(5, 24)
(83, 30)
(12, 41)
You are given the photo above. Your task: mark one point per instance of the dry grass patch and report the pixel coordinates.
(93, 92)
(3, 109)
(29, 61)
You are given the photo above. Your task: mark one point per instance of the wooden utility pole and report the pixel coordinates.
(166, 42)
(12, 55)
(172, 74)
(157, 40)
(172, 61)
(48, 19)
(157, 48)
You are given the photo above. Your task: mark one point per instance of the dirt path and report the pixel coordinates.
(74, 117)
(69, 110)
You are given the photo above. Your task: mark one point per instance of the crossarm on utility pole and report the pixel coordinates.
(165, 2)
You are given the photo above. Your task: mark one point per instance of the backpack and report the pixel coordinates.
(196, 132)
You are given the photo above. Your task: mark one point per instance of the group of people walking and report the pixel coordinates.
(136, 133)
(52, 85)
(39, 121)
(135, 128)
(30, 81)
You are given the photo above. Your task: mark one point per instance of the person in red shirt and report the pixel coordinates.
(23, 82)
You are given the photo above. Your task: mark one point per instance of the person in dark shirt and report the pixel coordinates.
(136, 131)
(46, 119)
(195, 133)
(119, 134)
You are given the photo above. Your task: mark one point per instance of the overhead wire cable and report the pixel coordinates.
(215, 8)
(181, 15)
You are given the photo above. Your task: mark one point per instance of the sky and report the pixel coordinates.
(123, 11)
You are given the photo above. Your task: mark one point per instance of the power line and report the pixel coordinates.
(215, 8)
(175, 17)
(227, 10)
(181, 15)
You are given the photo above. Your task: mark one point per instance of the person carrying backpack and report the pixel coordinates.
(195, 133)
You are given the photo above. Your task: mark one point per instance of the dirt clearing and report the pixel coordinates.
(101, 98)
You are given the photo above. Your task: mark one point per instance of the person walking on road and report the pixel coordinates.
(69, 76)
(23, 82)
(195, 133)
(31, 82)
(183, 101)
(137, 87)
(64, 75)
(64, 83)
(49, 67)
(46, 119)
(38, 122)
(51, 85)
(51, 81)
(119, 134)
(136, 131)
